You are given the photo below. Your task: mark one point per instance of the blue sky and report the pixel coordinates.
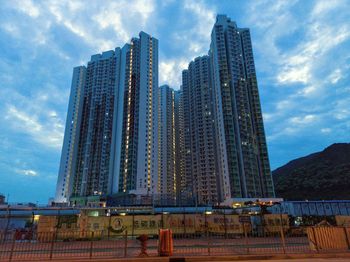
(302, 53)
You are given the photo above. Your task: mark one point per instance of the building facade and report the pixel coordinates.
(243, 162)
(204, 144)
(179, 130)
(167, 175)
(138, 172)
(186, 190)
(111, 137)
(71, 136)
(199, 143)
(92, 174)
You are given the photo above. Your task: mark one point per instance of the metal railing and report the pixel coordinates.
(55, 245)
(255, 241)
(19, 246)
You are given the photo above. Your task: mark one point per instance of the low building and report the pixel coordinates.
(314, 208)
(2, 199)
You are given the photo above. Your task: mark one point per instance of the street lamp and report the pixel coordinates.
(206, 213)
(263, 205)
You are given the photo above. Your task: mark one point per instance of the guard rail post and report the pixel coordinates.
(12, 246)
(126, 243)
(91, 244)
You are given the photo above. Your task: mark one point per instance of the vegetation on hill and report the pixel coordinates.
(319, 176)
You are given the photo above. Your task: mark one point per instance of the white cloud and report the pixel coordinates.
(143, 9)
(323, 7)
(27, 7)
(341, 113)
(192, 38)
(304, 68)
(264, 14)
(11, 28)
(75, 6)
(294, 73)
(292, 126)
(335, 76)
(29, 123)
(302, 120)
(326, 130)
(300, 65)
(103, 27)
(126, 19)
(170, 71)
(267, 117)
(93, 23)
(283, 105)
(113, 20)
(307, 91)
(282, 132)
(48, 132)
(269, 21)
(27, 172)
(195, 47)
(205, 18)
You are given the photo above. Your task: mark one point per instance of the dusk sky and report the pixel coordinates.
(302, 57)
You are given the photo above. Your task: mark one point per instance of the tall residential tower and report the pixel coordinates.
(138, 172)
(111, 138)
(200, 158)
(71, 136)
(92, 174)
(167, 131)
(126, 136)
(243, 163)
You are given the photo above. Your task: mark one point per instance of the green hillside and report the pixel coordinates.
(322, 175)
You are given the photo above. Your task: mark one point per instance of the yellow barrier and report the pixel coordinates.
(328, 238)
(145, 224)
(343, 221)
(273, 222)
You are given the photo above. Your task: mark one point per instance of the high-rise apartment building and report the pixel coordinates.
(179, 169)
(92, 174)
(126, 136)
(138, 172)
(243, 163)
(111, 137)
(167, 174)
(185, 141)
(71, 136)
(200, 157)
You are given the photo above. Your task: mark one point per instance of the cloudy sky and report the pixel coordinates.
(302, 53)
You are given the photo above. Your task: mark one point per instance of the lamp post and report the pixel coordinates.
(280, 212)
(225, 224)
(8, 221)
(263, 209)
(206, 221)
